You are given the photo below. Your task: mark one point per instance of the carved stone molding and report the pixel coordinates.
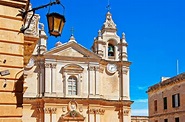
(53, 65)
(50, 110)
(101, 69)
(47, 65)
(96, 111)
(33, 29)
(100, 111)
(72, 68)
(125, 112)
(94, 68)
(109, 22)
(124, 70)
(91, 68)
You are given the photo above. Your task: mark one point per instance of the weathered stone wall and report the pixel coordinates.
(12, 59)
(167, 88)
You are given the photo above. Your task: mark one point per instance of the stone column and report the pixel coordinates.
(95, 114)
(48, 77)
(65, 84)
(91, 115)
(50, 114)
(92, 75)
(126, 115)
(41, 77)
(79, 85)
(53, 77)
(126, 83)
(97, 81)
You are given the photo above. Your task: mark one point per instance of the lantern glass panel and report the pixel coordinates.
(62, 25)
(50, 23)
(55, 23)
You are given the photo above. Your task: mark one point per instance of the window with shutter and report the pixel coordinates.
(175, 100)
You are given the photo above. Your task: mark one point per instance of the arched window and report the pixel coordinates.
(72, 85)
(110, 50)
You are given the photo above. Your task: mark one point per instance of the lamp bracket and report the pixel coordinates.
(23, 13)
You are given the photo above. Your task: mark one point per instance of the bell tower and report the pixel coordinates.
(108, 44)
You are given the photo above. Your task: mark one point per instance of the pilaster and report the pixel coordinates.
(48, 77)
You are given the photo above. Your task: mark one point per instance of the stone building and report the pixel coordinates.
(166, 100)
(139, 119)
(71, 83)
(15, 51)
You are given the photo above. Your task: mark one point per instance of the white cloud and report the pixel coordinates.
(140, 107)
(141, 101)
(142, 87)
(139, 112)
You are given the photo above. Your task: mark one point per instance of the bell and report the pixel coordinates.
(110, 49)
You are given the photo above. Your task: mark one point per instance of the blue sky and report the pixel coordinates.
(154, 31)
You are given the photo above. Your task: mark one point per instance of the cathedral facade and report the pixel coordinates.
(70, 83)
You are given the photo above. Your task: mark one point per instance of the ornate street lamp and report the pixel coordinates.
(56, 21)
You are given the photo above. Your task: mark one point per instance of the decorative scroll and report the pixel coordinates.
(53, 65)
(91, 68)
(94, 68)
(96, 111)
(50, 110)
(47, 65)
(33, 29)
(126, 112)
(50, 65)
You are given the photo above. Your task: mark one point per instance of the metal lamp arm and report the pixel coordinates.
(23, 13)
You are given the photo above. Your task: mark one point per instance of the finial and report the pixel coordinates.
(108, 6)
(123, 35)
(58, 44)
(99, 33)
(72, 31)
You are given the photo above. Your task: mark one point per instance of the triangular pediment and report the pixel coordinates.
(69, 52)
(71, 49)
(72, 116)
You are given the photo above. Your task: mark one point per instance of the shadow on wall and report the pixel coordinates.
(18, 88)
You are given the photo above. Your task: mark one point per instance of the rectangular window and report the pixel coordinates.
(72, 85)
(177, 119)
(175, 100)
(165, 102)
(155, 105)
(165, 120)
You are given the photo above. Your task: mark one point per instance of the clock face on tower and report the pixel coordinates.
(111, 68)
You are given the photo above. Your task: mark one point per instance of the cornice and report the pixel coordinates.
(85, 101)
(170, 81)
(167, 114)
(119, 63)
(67, 58)
(14, 3)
